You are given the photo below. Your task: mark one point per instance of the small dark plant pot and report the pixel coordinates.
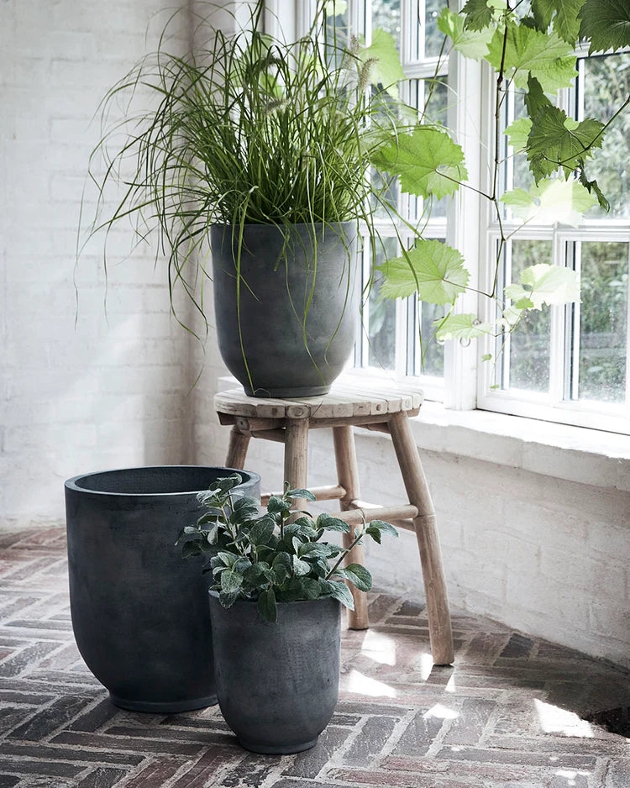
(277, 684)
(139, 610)
(286, 325)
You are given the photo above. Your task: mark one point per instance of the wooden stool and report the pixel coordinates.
(289, 421)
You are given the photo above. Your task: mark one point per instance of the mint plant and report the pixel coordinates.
(277, 556)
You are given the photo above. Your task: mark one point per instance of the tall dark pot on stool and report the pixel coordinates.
(139, 613)
(286, 305)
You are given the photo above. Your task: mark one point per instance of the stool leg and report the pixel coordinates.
(296, 456)
(348, 476)
(428, 542)
(237, 450)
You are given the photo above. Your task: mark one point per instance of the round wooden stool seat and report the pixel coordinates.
(381, 407)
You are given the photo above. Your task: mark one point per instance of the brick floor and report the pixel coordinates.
(509, 713)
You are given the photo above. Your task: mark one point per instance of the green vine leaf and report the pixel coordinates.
(432, 269)
(471, 43)
(606, 23)
(564, 14)
(551, 201)
(544, 284)
(461, 327)
(427, 162)
(518, 132)
(384, 61)
(529, 51)
(557, 141)
(480, 13)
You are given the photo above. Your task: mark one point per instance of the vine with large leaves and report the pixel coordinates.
(531, 46)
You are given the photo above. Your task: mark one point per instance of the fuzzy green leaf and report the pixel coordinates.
(339, 590)
(330, 523)
(262, 531)
(427, 162)
(267, 606)
(381, 527)
(461, 327)
(306, 494)
(606, 24)
(226, 483)
(551, 201)
(471, 43)
(529, 51)
(359, 576)
(384, 61)
(313, 549)
(231, 581)
(433, 270)
(190, 550)
(276, 505)
(311, 589)
(300, 567)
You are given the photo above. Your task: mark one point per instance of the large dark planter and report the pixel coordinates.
(286, 327)
(278, 683)
(139, 610)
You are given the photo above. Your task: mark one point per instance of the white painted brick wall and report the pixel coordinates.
(109, 390)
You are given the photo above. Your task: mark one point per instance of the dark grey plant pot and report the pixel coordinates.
(277, 684)
(139, 610)
(291, 329)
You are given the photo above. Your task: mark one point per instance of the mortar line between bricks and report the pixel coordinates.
(490, 726)
(396, 734)
(336, 761)
(438, 741)
(276, 773)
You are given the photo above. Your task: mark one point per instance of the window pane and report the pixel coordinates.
(386, 15)
(530, 343)
(381, 323)
(433, 39)
(431, 352)
(603, 321)
(606, 86)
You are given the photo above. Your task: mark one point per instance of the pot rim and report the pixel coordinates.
(73, 483)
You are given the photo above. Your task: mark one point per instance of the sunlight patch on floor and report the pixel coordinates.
(556, 720)
(364, 685)
(571, 776)
(442, 712)
(379, 648)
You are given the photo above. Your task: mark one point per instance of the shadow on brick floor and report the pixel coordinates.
(512, 711)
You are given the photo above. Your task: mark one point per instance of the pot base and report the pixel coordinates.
(290, 393)
(288, 749)
(158, 707)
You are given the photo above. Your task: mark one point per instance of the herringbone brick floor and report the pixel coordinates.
(509, 713)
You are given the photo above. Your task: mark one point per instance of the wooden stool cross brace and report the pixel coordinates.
(289, 422)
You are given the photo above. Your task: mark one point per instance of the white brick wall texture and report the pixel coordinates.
(84, 389)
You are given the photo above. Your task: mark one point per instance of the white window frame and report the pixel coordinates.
(470, 228)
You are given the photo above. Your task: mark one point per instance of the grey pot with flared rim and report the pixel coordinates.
(277, 684)
(139, 610)
(286, 325)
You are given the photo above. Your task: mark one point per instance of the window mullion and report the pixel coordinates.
(463, 227)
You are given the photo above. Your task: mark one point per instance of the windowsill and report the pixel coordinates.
(571, 453)
(575, 454)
